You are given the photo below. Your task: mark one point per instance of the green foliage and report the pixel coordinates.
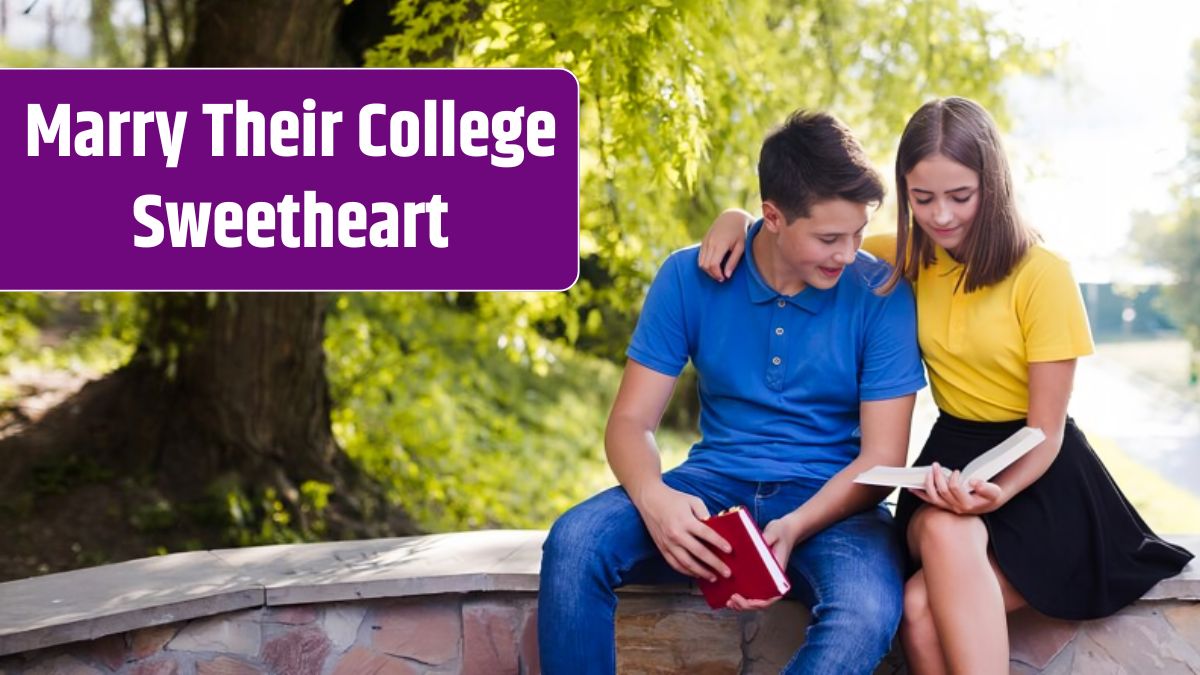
(20, 314)
(254, 518)
(68, 331)
(1173, 240)
(488, 409)
(474, 422)
(676, 97)
(157, 515)
(58, 477)
(11, 57)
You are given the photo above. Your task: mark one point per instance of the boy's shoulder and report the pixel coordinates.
(684, 256)
(867, 273)
(684, 266)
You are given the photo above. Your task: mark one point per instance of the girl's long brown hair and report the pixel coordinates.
(961, 130)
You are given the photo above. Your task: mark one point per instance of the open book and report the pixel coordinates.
(983, 467)
(755, 573)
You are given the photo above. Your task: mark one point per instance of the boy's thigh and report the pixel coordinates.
(605, 533)
(857, 558)
(717, 491)
(606, 521)
(608, 529)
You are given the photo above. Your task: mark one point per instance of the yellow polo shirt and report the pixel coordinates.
(978, 346)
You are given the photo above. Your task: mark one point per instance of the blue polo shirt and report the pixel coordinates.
(780, 377)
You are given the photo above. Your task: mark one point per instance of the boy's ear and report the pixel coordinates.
(773, 218)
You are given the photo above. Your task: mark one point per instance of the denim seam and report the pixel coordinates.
(812, 615)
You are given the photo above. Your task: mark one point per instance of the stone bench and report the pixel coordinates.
(462, 603)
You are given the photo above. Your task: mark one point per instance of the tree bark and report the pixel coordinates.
(242, 376)
(225, 398)
(266, 33)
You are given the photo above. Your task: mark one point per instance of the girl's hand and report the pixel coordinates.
(953, 494)
(727, 235)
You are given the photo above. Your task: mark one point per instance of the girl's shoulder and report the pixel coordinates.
(1042, 265)
(1039, 258)
(882, 246)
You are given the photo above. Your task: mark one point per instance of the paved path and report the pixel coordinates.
(1153, 424)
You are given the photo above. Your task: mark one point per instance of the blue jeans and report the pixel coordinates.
(849, 575)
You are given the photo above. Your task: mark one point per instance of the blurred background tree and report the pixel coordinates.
(1172, 240)
(237, 419)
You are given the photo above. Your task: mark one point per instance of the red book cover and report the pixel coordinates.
(755, 573)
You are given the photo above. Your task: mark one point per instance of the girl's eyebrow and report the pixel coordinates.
(929, 192)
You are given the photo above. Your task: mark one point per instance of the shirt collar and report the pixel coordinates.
(811, 300)
(943, 263)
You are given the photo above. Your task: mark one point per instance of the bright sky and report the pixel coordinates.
(1110, 142)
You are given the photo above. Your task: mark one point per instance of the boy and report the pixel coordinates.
(806, 376)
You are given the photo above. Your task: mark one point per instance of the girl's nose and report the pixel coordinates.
(942, 215)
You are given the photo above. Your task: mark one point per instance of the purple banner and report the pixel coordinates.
(330, 179)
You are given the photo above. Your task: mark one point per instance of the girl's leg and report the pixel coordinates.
(918, 634)
(966, 595)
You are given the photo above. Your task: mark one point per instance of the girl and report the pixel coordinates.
(1000, 323)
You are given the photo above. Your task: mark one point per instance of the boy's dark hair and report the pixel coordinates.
(811, 158)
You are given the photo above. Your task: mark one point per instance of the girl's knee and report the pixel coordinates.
(937, 529)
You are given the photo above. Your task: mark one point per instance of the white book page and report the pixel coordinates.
(992, 462)
(894, 476)
(983, 467)
(781, 582)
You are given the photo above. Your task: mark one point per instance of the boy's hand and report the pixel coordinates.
(674, 520)
(781, 537)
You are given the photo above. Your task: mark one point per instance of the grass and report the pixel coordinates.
(1167, 509)
(1161, 361)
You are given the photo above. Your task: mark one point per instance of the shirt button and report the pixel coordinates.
(776, 361)
(779, 331)
(782, 303)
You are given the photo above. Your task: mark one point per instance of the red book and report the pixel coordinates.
(755, 573)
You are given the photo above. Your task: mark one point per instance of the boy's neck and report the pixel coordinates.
(774, 271)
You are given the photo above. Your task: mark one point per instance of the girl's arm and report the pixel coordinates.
(1050, 385)
(727, 235)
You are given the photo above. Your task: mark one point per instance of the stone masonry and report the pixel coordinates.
(464, 604)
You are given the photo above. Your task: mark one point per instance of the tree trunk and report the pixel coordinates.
(242, 376)
(209, 434)
(266, 33)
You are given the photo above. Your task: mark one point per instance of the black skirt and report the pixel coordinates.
(1070, 543)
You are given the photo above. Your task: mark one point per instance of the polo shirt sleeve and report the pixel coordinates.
(1051, 310)
(660, 340)
(891, 363)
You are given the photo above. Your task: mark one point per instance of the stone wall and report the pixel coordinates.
(463, 604)
(488, 633)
